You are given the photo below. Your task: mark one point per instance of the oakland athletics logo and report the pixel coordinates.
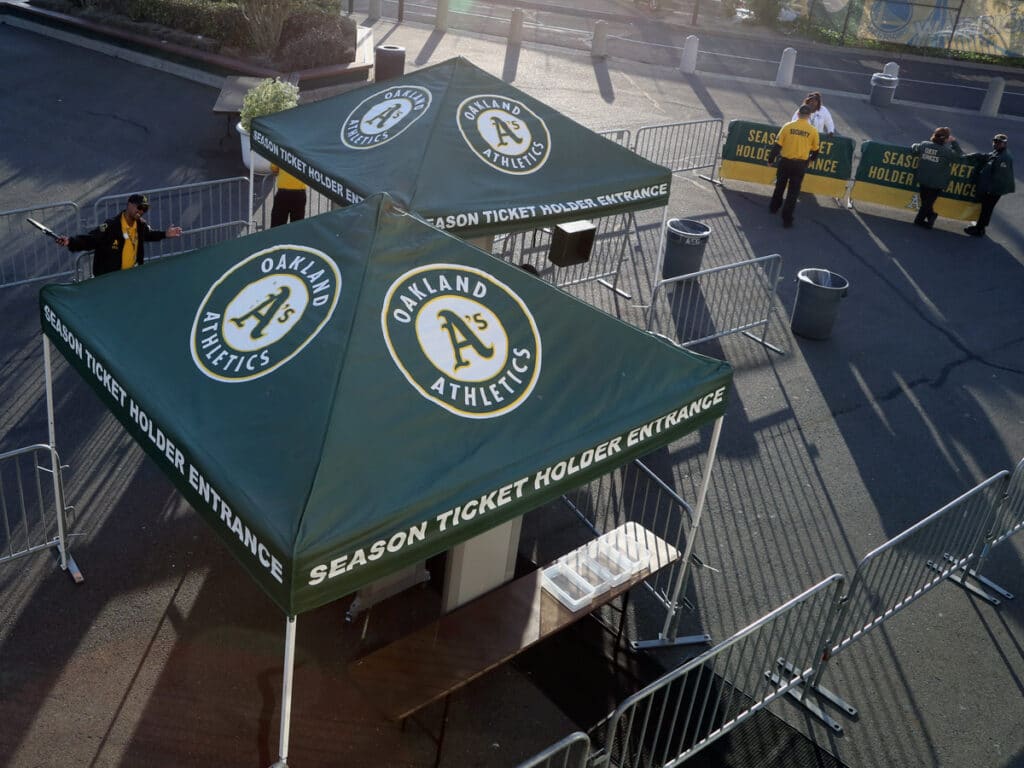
(504, 133)
(263, 311)
(383, 116)
(462, 338)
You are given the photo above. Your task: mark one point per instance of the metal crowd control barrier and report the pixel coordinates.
(1009, 519)
(209, 212)
(635, 493)
(716, 302)
(33, 511)
(571, 752)
(679, 147)
(693, 706)
(620, 136)
(900, 571)
(30, 255)
(263, 202)
(611, 244)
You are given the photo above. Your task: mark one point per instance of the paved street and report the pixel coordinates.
(168, 656)
(726, 48)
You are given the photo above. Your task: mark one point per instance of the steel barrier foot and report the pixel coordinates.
(833, 698)
(662, 642)
(959, 578)
(763, 343)
(612, 288)
(797, 694)
(73, 570)
(1005, 594)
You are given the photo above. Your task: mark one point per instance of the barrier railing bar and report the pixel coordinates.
(1008, 520)
(562, 751)
(640, 719)
(887, 580)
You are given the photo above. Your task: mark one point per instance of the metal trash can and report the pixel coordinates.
(883, 87)
(818, 293)
(685, 241)
(388, 62)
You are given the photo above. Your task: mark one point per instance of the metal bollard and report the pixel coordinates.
(515, 27)
(784, 78)
(688, 63)
(993, 97)
(375, 10)
(441, 20)
(891, 68)
(599, 45)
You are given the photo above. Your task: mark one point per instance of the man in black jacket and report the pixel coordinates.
(119, 242)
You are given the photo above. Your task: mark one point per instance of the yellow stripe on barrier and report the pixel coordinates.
(886, 176)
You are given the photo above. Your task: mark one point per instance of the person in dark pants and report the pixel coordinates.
(119, 242)
(290, 199)
(796, 145)
(995, 179)
(936, 157)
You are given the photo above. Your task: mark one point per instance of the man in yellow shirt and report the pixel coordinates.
(290, 200)
(119, 242)
(796, 145)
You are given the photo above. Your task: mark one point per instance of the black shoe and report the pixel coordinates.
(975, 231)
(787, 223)
(923, 223)
(931, 218)
(774, 208)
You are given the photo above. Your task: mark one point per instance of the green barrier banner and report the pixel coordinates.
(747, 146)
(886, 176)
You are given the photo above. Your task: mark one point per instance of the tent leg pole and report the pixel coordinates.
(249, 225)
(286, 692)
(668, 635)
(51, 425)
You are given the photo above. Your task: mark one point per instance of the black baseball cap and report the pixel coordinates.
(140, 201)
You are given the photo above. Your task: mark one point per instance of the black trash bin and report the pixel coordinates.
(388, 62)
(685, 241)
(818, 293)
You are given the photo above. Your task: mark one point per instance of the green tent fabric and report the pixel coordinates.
(355, 392)
(463, 149)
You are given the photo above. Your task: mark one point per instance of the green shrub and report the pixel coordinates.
(267, 97)
(314, 39)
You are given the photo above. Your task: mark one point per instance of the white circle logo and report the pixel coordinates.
(263, 311)
(463, 339)
(504, 133)
(384, 116)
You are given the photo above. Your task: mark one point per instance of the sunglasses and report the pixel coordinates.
(142, 207)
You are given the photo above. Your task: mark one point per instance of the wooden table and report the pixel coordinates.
(439, 659)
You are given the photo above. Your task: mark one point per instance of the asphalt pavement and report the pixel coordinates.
(167, 656)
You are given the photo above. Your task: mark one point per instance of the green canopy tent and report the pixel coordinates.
(267, 377)
(465, 150)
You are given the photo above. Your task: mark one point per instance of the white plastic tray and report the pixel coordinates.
(617, 565)
(587, 568)
(567, 586)
(630, 552)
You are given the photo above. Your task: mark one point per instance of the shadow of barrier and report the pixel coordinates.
(734, 298)
(786, 651)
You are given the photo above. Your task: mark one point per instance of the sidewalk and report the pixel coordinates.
(167, 656)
